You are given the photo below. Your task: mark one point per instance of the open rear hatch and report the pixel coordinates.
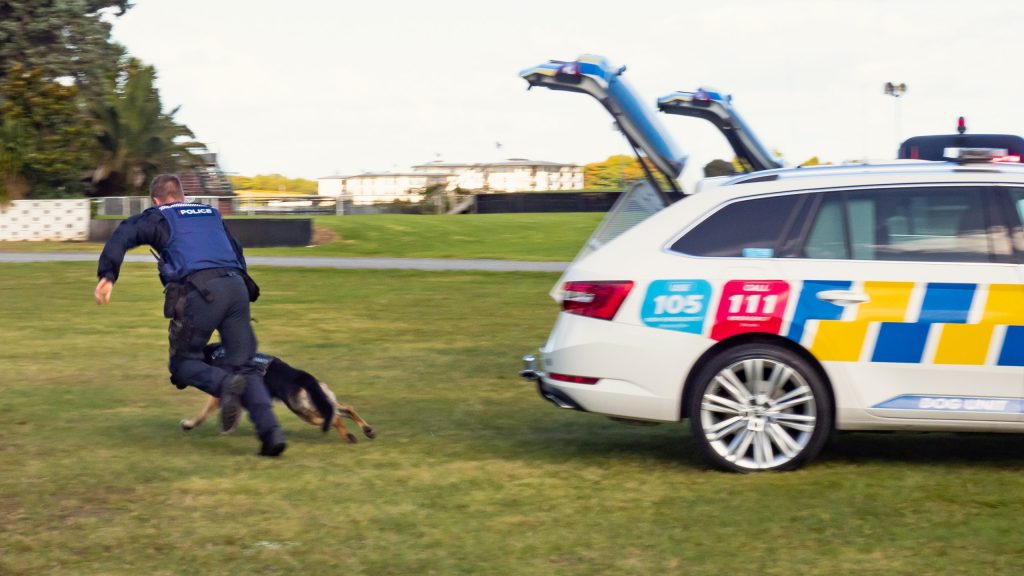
(717, 109)
(597, 77)
(661, 160)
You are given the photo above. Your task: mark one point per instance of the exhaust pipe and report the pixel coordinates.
(558, 398)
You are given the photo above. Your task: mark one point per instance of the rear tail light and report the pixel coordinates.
(571, 378)
(595, 299)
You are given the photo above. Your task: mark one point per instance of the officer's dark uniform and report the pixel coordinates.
(202, 269)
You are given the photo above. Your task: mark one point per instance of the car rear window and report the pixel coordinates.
(750, 228)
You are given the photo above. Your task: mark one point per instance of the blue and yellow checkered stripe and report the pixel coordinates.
(908, 322)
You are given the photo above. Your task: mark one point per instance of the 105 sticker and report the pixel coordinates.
(679, 305)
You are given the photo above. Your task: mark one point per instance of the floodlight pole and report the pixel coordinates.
(896, 90)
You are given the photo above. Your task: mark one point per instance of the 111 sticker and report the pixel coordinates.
(750, 306)
(753, 304)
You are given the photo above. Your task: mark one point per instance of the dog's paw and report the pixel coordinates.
(186, 425)
(351, 438)
(370, 432)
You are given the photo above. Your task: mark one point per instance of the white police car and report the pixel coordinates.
(774, 307)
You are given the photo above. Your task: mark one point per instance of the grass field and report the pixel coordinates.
(471, 473)
(548, 237)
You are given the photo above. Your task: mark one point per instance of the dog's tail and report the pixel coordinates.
(316, 394)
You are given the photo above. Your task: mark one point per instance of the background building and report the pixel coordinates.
(377, 187)
(512, 175)
(205, 178)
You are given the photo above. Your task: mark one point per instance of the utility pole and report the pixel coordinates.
(896, 90)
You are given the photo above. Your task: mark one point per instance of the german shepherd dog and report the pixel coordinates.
(307, 397)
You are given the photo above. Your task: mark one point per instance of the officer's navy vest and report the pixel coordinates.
(198, 241)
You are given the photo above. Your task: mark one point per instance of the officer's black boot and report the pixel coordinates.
(273, 443)
(231, 402)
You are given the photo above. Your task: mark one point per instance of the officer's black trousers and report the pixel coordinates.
(223, 306)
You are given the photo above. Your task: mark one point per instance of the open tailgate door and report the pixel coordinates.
(597, 77)
(717, 109)
(654, 147)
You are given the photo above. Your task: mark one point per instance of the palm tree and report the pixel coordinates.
(13, 184)
(46, 137)
(137, 139)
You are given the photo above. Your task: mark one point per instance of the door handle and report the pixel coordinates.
(843, 297)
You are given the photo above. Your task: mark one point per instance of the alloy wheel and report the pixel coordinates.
(758, 413)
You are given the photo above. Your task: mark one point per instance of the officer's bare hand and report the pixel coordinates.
(103, 290)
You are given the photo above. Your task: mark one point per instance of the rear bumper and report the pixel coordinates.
(560, 399)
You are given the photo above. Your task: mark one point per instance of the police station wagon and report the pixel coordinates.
(775, 307)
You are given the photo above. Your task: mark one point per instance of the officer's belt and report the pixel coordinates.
(199, 278)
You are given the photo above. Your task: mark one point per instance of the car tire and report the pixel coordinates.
(759, 407)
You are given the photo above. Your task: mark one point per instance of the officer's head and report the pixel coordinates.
(166, 188)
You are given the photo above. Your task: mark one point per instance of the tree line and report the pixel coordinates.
(78, 114)
(274, 183)
(616, 172)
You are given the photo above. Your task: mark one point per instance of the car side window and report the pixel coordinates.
(747, 228)
(827, 238)
(1017, 195)
(913, 224)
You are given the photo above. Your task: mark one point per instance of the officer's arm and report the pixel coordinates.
(135, 231)
(124, 238)
(236, 247)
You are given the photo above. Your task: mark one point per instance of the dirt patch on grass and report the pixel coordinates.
(322, 235)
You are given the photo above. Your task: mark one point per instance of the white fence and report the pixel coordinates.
(45, 220)
(228, 205)
(269, 205)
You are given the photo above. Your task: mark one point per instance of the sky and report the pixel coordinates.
(312, 88)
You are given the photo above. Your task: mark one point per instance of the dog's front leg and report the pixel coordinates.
(212, 404)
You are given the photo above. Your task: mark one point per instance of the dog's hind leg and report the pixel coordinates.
(350, 413)
(340, 427)
(212, 404)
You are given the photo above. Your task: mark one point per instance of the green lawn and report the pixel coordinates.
(471, 472)
(549, 237)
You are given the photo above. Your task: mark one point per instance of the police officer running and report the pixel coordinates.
(206, 288)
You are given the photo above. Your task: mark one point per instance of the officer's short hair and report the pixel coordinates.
(166, 187)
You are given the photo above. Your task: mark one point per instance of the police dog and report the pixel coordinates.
(308, 398)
